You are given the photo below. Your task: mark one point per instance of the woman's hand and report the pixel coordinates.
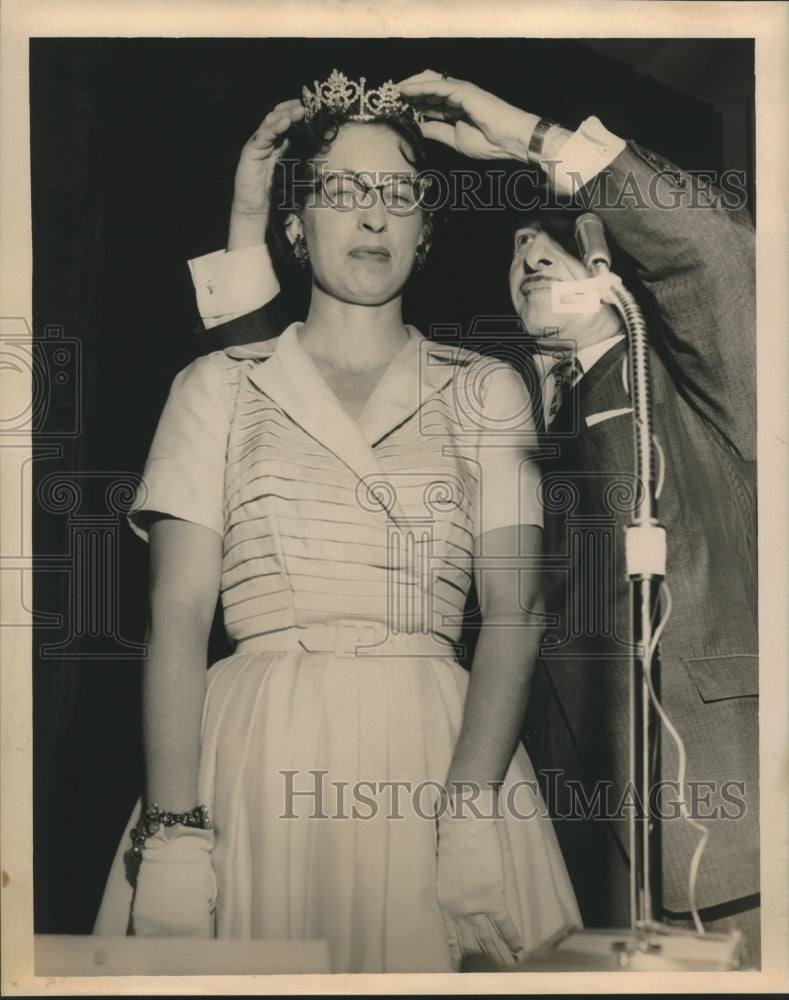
(469, 119)
(474, 868)
(249, 212)
(176, 886)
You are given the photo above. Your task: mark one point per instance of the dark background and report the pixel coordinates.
(133, 148)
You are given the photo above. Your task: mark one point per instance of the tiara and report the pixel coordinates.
(350, 98)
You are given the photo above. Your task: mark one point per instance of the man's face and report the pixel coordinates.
(538, 261)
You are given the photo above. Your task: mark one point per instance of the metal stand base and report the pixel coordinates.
(658, 949)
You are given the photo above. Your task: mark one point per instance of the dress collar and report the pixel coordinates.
(291, 378)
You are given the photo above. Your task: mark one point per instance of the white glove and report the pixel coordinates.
(176, 886)
(474, 866)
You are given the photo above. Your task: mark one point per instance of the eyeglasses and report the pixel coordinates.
(400, 194)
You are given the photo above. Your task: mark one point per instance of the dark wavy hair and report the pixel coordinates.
(294, 173)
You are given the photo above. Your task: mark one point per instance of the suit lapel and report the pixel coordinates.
(603, 386)
(600, 389)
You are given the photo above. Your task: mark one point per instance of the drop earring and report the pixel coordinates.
(300, 252)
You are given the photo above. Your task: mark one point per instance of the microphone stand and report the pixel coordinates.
(645, 556)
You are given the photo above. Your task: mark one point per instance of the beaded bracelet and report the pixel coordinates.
(153, 817)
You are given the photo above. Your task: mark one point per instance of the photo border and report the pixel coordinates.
(768, 23)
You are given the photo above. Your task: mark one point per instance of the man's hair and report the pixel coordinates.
(559, 223)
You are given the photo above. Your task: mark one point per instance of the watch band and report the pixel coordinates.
(534, 151)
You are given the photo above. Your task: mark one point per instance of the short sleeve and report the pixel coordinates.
(185, 472)
(506, 453)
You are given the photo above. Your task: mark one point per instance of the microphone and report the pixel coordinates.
(590, 236)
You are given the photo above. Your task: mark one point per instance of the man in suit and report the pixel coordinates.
(694, 260)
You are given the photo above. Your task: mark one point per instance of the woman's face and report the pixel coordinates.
(361, 252)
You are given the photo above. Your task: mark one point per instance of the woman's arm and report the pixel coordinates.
(504, 659)
(185, 570)
(475, 862)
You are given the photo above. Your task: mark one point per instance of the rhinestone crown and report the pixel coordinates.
(350, 98)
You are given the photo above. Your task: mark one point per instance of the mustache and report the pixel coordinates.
(532, 280)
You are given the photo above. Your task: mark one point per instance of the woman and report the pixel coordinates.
(339, 485)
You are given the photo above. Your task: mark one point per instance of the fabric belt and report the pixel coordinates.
(349, 638)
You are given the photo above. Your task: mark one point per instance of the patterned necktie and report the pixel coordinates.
(565, 374)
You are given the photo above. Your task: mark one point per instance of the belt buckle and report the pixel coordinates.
(351, 635)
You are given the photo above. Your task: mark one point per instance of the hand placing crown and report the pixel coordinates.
(351, 99)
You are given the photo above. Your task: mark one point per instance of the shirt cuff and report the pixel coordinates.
(232, 283)
(590, 149)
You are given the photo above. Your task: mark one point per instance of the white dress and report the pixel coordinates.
(327, 520)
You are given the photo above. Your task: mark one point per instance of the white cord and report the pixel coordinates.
(682, 763)
(661, 466)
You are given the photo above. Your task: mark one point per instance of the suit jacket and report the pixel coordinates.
(698, 265)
